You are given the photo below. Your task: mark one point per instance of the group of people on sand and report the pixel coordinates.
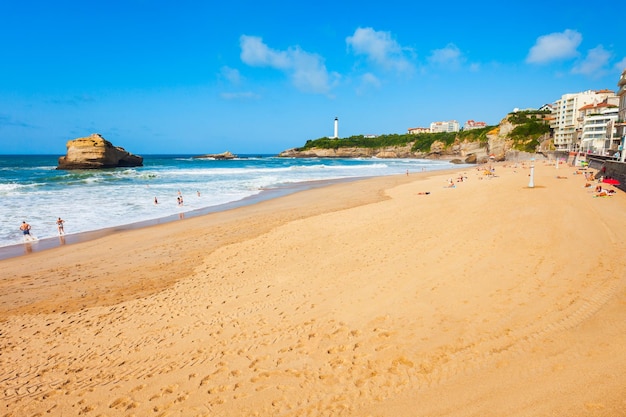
(25, 228)
(599, 190)
(603, 192)
(488, 172)
(461, 178)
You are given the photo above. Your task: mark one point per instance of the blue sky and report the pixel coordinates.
(261, 77)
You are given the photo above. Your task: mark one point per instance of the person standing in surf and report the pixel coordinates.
(25, 228)
(60, 226)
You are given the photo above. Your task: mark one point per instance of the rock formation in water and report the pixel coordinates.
(223, 155)
(95, 152)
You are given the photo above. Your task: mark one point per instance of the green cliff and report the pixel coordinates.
(519, 132)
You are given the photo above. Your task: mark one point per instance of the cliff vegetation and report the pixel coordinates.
(528, 130)
(519, 131)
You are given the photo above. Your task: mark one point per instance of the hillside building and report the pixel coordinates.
(470, 124)
(449, 126)
(567, 121)
(598, 131)
(418, 130)
(546, 107)
(621, 116)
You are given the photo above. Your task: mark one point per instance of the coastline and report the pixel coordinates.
(359, 298)
(207, 186)
(27, 248)
(168, 245)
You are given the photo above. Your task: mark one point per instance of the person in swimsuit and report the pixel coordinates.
(60, 226)
(25, 228)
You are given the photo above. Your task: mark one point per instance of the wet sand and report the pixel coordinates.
(41, 244)
(356, 299)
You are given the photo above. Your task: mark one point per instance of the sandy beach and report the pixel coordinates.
(367, 298)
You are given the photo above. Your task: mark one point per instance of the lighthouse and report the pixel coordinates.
(336, 128)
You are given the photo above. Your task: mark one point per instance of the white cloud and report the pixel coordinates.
(306, 70)
(595, 62)
(231, 74)
(555, 46)
(620, 65)
(368, 81)
(450, 57)
(256, 53)
(309, 73)
(379, 48)
(246, 95)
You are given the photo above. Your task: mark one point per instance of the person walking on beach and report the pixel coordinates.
(25, 228)
(60, 222)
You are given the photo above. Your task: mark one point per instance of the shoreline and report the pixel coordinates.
(368, 297)
(169, 242)
(26, 248)
(96, 223)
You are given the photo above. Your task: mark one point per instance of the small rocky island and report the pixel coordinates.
(218, 156)
(95, 152)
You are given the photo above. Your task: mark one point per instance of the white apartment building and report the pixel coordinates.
(621, 115)
(449, 126)
(598, 126)
(567, 121)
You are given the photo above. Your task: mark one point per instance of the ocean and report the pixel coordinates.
(33, 190)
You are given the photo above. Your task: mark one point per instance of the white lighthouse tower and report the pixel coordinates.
(336, 128)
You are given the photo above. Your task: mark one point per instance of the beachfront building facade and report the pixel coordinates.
(418, 130)
(567, 122)
(449, 126)
(471, 124)
(598, 131)
(621, 116)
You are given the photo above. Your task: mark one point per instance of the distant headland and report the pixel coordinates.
(518, 133)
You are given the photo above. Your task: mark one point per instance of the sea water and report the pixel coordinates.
(33, 190)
